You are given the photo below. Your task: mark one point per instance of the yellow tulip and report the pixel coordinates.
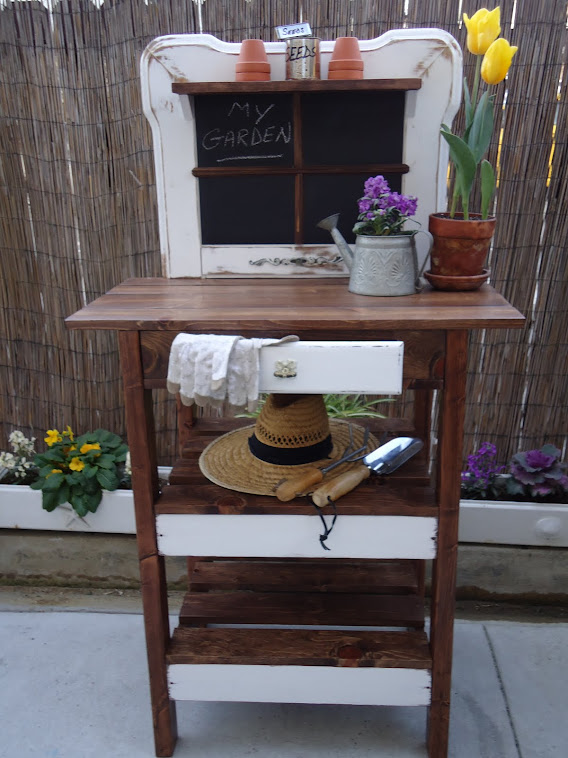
(497, 61)
(482, 29)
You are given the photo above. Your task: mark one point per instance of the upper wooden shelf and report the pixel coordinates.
(294, 85)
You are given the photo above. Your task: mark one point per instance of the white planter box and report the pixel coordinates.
(510, 523)
(500, 523)
(20, 508)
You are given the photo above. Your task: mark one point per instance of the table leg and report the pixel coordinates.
(141, 439)
(449, 460)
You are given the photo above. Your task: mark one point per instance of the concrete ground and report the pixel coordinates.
(74, 685)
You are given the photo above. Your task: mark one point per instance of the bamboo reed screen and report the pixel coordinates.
(78, 209)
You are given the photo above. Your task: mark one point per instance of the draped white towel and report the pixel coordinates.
(209, 369)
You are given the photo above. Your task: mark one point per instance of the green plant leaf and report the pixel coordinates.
(53, 482)
(106, 461)
(94, 501)
(80, 502)
(487, 187)
(482, 127)
(467, 105)
(49, 501)
(108, 479)
(465, 164)
(63, 494)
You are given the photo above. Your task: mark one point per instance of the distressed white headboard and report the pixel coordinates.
(429, 54)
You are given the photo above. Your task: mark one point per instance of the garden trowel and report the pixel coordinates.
(384, 460)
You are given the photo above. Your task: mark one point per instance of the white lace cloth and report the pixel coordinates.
(211, 369)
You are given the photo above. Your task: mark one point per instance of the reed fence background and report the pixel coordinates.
(78, 207)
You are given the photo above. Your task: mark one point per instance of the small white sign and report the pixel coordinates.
(294, 30)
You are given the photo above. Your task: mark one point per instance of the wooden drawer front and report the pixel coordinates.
(296, 536)
(299, 684)
(348, 367)
(423, 354)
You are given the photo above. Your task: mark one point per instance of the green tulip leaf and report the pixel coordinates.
(467, 105)
(481, 130)
(487, 187)
(465, 164)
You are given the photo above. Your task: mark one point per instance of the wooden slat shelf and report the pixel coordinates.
(290, 608)
(371, 577)
(294, 85)
(209, 498)
(300, 647)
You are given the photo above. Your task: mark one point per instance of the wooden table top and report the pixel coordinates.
(282, 306)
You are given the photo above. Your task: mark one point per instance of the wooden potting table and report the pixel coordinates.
(415, 516)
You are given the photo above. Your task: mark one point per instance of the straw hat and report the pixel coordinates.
(292, 434)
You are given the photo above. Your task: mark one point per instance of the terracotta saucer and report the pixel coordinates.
(457, 283)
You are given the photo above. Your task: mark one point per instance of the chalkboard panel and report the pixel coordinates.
(244, 130)
(327, 194)
(352, 128)
(241, 210)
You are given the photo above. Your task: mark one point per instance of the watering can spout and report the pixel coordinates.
(330, 224)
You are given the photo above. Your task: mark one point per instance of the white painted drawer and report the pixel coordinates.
(295, 536)
(373, 367)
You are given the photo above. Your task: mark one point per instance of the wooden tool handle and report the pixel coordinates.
(290, 488)
(341, 485)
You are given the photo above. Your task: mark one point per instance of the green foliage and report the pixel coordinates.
(342, 406)
(78, 470)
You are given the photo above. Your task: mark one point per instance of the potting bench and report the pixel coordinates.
(270, 567)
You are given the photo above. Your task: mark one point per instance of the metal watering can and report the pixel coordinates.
(381, 266)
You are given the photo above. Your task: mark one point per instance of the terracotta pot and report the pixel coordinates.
(460, 246)
(346, 48)
(346, 61)
(345, 74)
(252, 64)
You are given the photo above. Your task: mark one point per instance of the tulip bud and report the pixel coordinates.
(482, 29)
(497, 61)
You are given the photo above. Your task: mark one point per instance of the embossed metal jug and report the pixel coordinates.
(380, 266)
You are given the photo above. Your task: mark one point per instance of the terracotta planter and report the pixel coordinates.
(252, 64)
(460, 247)
(346, 61)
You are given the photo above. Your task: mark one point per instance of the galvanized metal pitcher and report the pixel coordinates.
(383, 266)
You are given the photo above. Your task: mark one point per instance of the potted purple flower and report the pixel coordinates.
(385, 261)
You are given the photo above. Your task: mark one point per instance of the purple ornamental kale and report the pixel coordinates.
(538, 473)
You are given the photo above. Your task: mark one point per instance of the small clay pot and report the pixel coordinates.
(346, 48)
(460, 247)
(345, 65)
(252, 64)
(345, 74)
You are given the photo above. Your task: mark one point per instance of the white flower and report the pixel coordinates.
(7, 460)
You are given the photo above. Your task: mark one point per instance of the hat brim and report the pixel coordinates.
(228, 462)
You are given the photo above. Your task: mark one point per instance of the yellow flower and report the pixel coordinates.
(69, 433)
(482, 29)
(87, 446)
(76, 464)
(53, 436)
(54, 471)
(497, 61)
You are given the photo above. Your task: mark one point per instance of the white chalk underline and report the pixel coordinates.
(248, 157)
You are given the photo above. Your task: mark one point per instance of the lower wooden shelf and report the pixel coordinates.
(300, 666)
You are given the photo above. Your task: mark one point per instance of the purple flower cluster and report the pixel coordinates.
(481, 471)
(381, 211)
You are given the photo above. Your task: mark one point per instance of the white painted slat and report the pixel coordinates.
(295, 536)
(341, 367)
(299, 684)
